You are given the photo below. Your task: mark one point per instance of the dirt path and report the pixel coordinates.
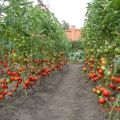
(63, 98)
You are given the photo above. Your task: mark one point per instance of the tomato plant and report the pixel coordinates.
(101, 38)
(32, 46)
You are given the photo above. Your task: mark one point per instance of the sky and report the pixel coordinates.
(72, 11)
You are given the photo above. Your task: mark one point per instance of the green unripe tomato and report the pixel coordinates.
(117, 51)
(98, 92)
(109, 73)
(14, 55)
(103, 67)
(106, 50)
(110, 48)
(8, 81)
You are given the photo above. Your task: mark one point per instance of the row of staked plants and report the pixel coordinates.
(32, 46)
(101, 36)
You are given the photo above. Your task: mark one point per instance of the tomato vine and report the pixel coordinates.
(101, 36)
(32, 45)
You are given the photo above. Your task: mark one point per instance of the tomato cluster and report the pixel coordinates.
(107, 85)
(12, 81)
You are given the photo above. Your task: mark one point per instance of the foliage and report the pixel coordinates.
(101, 36)
(65, 25)
(32, 45)
(76, 52)
(77, 45)
(76, 55)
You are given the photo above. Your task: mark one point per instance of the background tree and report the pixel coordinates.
(65, 25)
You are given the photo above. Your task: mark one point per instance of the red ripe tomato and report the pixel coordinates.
(9, 72)
(19, 81)
(3, 86)
(5, 64)
(10, 94)
(30, 78)
(115, 79)
(33, 78)
(100, 71)
(100, 76)
(14, 73)
(6, 87)
(106, 93)
(94, 75)
(95, 79)
(1, 97)
(102, 89)
(119, 80)
(5, 92)
(112, 77)
(112, 86)
(27, 82)
(17, 78)
(102, 101)
(12, 78)
(17, 74)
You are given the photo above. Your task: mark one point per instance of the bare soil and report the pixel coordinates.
(66, 96)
